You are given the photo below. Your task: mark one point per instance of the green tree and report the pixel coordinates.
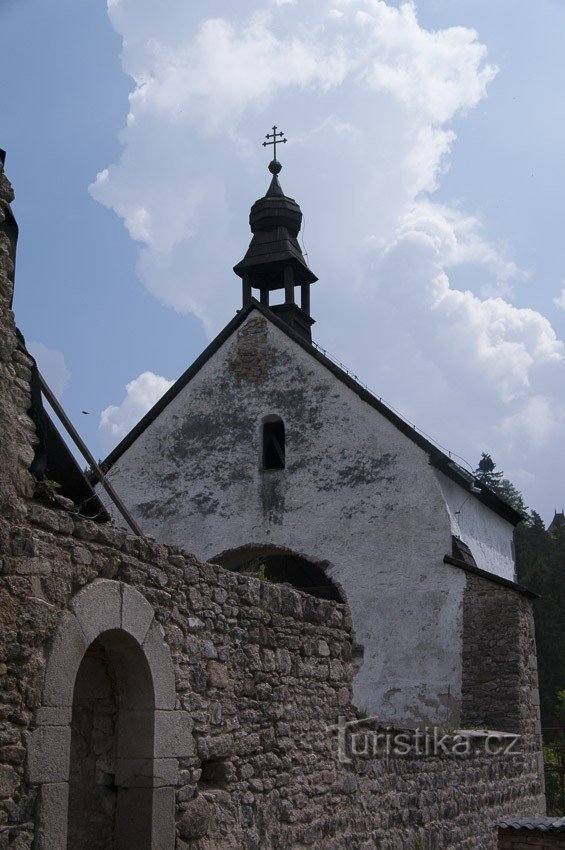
(487, 473)
(540, 564)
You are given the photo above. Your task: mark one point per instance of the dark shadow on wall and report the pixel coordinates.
(281, 566)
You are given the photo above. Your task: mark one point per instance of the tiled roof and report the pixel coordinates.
(542, 824)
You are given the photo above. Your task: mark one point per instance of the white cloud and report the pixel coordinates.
(51, 364)
(459, 238)
(434, 73)
(560, 299)
(493, 349)
(367, 96)
(141, 394)
(538, 421)
(203, 96)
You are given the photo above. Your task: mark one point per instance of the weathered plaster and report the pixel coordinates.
(488, 536)
(356, 494)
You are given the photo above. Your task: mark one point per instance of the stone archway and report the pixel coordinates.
(111, 625)
(282, 565)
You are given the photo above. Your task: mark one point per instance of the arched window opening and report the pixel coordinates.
(282, 567)
(273, 444)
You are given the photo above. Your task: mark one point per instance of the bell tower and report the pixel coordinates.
(274, 259)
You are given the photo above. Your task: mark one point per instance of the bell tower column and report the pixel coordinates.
(288, 284)
(305, 298)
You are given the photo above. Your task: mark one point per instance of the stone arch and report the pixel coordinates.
(283, 565)
(118, 618)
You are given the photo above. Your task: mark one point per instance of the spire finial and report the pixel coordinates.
(274, 139)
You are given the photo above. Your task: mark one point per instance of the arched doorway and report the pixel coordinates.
(108, 738)
(282, 566)
(112, 744)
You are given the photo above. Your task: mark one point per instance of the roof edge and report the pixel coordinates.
(496, 579)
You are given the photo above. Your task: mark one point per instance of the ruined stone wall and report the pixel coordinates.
(16, 429)
(261, 671)
(500, 684)
(245, 678)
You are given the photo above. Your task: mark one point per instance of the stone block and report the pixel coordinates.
(66, 654)
(218, 675)
(173, 734)
(9, 781)
(51, 833)
(163, 820)
(48, 754)
(98, 608)
(159, 660)
(54, 715)
(137, 613)
(196, 819)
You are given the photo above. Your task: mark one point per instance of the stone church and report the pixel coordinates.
(150, 700)
(265, 454)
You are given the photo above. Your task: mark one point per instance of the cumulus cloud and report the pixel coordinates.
(203, 88)
(539, 420)
(51, 364)
(141, 394)
(367, 97)
(560, 299)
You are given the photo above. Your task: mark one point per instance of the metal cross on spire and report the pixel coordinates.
(274, 139)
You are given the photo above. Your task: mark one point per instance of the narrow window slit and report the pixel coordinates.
(273, 445)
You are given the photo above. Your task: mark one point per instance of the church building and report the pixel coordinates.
(265, 457)
(153, 701)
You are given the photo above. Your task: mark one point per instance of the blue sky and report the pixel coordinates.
(427, 159)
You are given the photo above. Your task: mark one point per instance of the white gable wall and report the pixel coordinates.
(488, 535)
(356, 494)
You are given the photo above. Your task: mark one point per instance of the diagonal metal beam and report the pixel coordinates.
(84, 450)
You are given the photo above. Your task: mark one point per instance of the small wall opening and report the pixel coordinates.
(274, 449)
(280, 567)
(112, 732)
(215, 774)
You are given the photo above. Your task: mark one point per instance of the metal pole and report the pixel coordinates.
(77, 439)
